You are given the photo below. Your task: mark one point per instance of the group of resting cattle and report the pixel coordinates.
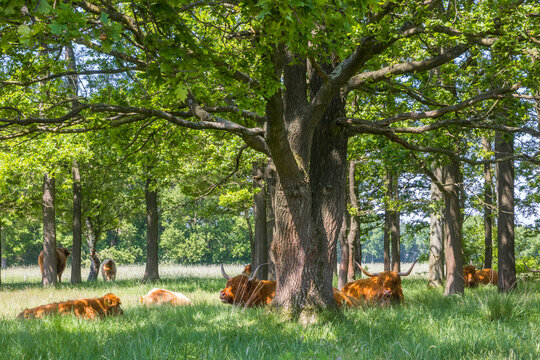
(241, 290)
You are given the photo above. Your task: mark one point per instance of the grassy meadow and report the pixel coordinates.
(482, 324)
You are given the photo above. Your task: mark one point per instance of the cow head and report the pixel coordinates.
(25, 314)
(65, 251)
(389, 283)
(468, 275)
(239, 289)
(247, 270)
(112, 304)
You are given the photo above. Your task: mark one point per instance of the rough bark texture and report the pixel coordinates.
(49, 232)
(387, 224)
(436, 239)
(77, 226)
(353, 237)
(270, 191)
(260, 245)
(92, 239)
(394, 223)
(453, 230)
(504, 146)
(488, 204)
(343, 266)
(151, 272)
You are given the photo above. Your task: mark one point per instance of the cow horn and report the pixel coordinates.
(255, 272)
(364, 271)
(408, 272)
(224, 273)
(536, 271)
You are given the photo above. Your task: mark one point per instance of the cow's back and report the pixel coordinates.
(487, 276)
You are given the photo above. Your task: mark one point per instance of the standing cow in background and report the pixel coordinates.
(108, 270)
(61, 260)
(379, 288)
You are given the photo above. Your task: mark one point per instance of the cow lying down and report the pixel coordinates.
(161, 296)
(108, 305)
(248, 291)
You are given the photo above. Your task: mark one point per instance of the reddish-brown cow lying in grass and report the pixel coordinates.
(243, 291)
(108, 305)
(162, 296)
(61, 259)
(474, 277)
(247, 291)
(108, 270)
(379, 288)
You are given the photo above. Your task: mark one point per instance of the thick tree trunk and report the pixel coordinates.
(77, 226)
(270, 190)
(504, 147)
(49, 232)
(260, 253)
(92, 239)
(453, 230)
(436, 239)
(151, 272)
(488, 204)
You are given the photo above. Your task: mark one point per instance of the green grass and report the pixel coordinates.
(482, 324)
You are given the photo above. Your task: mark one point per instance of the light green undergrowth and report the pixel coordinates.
(482, 324)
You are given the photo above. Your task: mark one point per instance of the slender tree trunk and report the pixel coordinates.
(488, 204)
(260, 254)
(504, 147)
(151, 272)
(49, 232)
(453, 230)
(436, 236)
(394, 226)
(250, 234)
(270, 191)
(92, 239)
(345, 255)
(387, 222)
(1, 253)
(353, 238)
(77, 226)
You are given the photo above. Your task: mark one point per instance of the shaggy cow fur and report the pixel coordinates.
(108, 305)
(162, 296)
(61, 260)
(108, 270)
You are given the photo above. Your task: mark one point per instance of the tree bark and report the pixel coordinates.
(77, 226)
(504, 147)
(488, 204)
(151, 272)
(394, 227)
(343, 266)
(436, 236)
(49, 232)
(260, 253)
(387, 222)
(92, 239)
(270, 191)
(453, 230)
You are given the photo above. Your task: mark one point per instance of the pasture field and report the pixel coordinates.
(482, 324)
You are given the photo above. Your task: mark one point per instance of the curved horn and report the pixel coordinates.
(364, 271)
(224, 273)
(536, 271)
(408, 272)
(255, 272)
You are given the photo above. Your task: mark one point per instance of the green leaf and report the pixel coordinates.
(23, 30)
(44, 7)
(181, 92)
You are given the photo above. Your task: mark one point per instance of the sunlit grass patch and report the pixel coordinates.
(426, 326)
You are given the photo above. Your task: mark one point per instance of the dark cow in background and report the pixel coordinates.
(108, 270)
(108, 305)
(474, 277)
(247, 291)
(61, 260)
(379, 288)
